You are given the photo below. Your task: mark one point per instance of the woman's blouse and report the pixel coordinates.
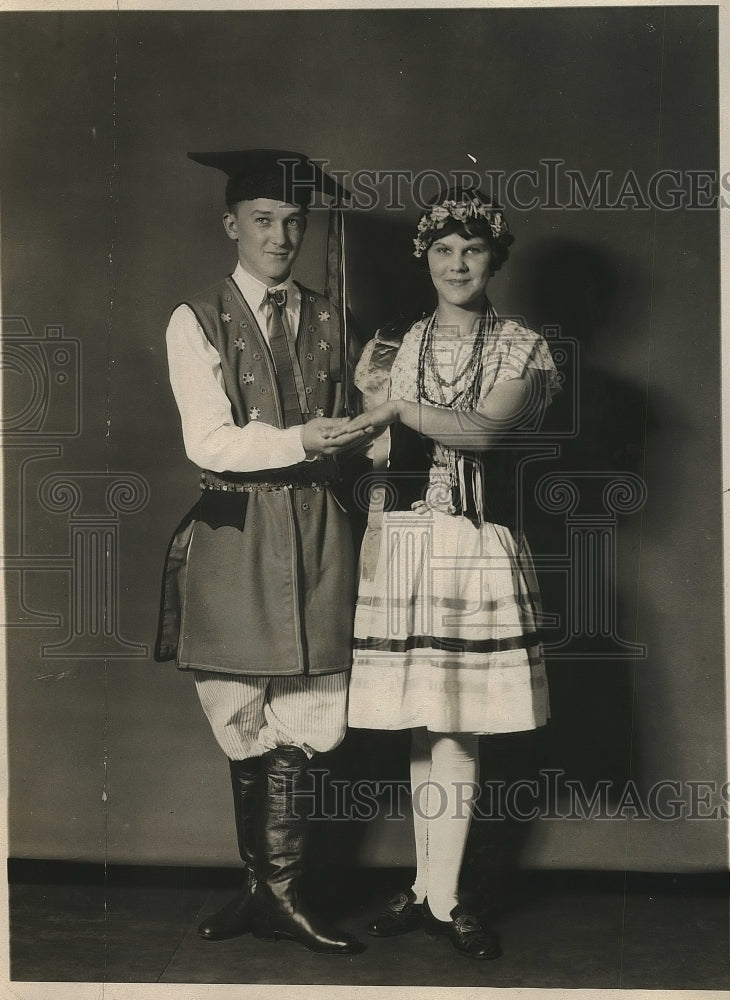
(447, 365)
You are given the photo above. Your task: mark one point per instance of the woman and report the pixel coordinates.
(446, 630)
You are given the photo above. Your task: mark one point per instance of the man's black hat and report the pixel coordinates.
(279, 174)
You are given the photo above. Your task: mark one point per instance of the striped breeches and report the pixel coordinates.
(250, 715)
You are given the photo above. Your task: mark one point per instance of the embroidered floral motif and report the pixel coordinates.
(239, 343)
(319, 411)
(324, 345)
(226, 317)
(254, 413)
(321, 376)
(247, 378)
(324, 315)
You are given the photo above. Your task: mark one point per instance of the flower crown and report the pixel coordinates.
(468, 207)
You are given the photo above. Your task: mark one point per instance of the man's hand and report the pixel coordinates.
(331, 435)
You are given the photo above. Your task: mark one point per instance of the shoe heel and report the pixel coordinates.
(264, 932)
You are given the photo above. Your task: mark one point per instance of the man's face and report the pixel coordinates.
(269, 234)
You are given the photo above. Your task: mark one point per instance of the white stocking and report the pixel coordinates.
(442, 813)
(420, 774)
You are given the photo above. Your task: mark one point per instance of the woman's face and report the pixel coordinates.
(460, 270)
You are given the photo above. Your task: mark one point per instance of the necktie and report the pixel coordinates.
(288, 373)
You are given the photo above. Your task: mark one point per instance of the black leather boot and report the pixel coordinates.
(279, 910)
(234, 918)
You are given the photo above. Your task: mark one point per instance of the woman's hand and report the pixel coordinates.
(331, 435)
(372, 422)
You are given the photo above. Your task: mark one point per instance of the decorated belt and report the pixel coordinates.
(262, 487)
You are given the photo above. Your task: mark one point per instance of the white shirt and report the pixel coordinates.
(212, 439)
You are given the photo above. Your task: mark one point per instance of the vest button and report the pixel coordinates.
(308, 390)
(310, 357)
(305, 506)
(263, 390)
(257, 357)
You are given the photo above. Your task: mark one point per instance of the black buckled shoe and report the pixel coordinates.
(400, 915)
(465, 932)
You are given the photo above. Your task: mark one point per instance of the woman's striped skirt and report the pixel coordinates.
(446, 632)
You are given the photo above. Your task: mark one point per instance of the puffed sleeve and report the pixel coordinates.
(363, 366)
(517, 351)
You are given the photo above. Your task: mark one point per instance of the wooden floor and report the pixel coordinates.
(561, 930)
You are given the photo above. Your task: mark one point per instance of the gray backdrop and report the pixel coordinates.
(106, 226)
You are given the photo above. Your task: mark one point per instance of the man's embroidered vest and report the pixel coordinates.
(249, 374)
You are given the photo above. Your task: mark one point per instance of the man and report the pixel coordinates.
(260, 575)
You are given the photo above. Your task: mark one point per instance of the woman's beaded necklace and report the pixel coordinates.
(470, 372)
